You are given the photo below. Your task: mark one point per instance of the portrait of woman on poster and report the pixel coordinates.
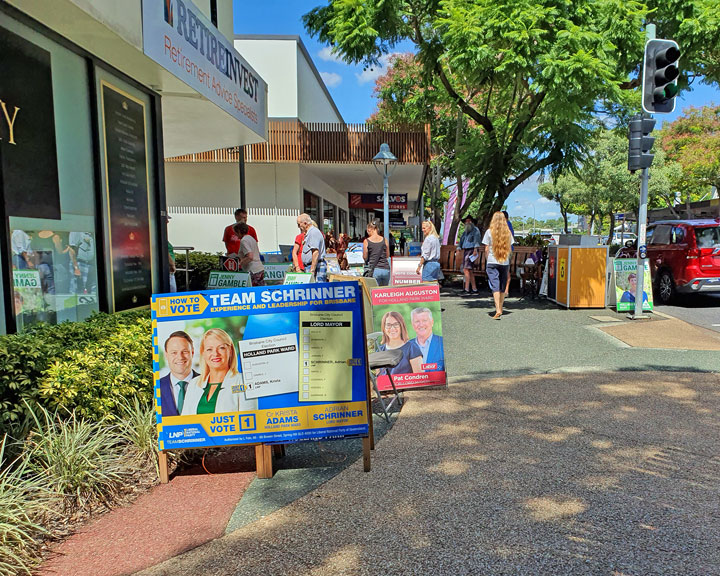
(395, 337)
(219, 388)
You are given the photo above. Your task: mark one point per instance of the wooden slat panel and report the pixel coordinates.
(295, 141)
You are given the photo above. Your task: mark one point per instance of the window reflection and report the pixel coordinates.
(54, 275)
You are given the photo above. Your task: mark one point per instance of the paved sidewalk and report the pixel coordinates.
(607, 473)
(537, 336)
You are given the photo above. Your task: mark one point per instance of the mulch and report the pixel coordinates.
(192, 509)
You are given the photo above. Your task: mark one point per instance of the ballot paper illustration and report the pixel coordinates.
(269, 365)
(326, 348)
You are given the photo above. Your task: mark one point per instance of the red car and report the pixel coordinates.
(684, 257)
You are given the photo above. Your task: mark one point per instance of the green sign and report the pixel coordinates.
(297, 278)
(228, 280)
(275, 272)
(625, 284)
(28, 291)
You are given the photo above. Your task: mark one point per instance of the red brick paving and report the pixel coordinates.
(192, 509)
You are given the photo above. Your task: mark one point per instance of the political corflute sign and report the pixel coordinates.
(408, 318)
(267, 364)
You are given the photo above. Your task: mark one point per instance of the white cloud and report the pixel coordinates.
(543, 200)
(372, 73)
(327, 55)
(331, 79)
(552, 214)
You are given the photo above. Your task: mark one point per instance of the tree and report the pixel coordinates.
(526, 77)
(601, 185)
(693, 140)
(404, 99)
(568, 192)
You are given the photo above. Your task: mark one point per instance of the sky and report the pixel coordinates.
(352, 87)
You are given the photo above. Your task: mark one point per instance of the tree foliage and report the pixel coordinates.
(602, 186)
(527, 77)
(693, 140)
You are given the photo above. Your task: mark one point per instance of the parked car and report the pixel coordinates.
(684, 257)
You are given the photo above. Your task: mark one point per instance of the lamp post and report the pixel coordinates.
(534, 221)
(388, 161)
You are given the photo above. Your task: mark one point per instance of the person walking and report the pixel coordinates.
(469, 243)
(512, 232)
(498, 241)
(430, 254)
(392, 246)
(402, 244)
(376, 252)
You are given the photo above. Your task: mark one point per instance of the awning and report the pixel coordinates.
(228, 104)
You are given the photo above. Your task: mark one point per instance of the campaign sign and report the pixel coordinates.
(408, 318)
(228, 280)
(354, 254)
(275, 272)
(626, 282)
(298, 278)
(404, 271)
(267, 364)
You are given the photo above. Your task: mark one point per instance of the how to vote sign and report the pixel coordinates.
(408, 318)
(267, 364)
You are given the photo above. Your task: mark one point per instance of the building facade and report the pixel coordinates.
(94, 94)
(312, 161)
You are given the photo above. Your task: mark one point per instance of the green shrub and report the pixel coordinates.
(137, 427)
(201, 264)
(97, 381)
(24, 359)
(82, 461)
(24, 502)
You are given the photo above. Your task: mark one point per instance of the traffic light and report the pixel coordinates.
(641, 143)
(660, 73)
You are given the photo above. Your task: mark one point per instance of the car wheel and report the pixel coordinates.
(665, 287)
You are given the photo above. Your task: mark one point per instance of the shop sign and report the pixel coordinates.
(178, 36)
(408, 318)
(28, 149)
(375, 201)
(291, 360)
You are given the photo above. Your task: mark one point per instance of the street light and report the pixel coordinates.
(534, 222)
(385, 158)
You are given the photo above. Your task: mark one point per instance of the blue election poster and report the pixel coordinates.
(275, 364)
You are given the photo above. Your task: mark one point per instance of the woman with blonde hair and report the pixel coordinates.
(219, 388)
(497, 242)
(430, 254)
(395, 337)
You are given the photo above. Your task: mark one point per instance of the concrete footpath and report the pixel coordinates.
(568, 442)
(573, 473)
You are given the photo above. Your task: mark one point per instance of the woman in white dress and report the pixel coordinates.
(219, 388)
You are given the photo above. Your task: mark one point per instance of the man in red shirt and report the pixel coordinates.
(232, 242)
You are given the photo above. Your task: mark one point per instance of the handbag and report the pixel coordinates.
(368, 272)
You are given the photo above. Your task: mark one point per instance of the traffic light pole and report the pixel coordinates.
(642, 225)
(641, 240)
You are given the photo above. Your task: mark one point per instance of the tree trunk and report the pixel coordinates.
(564, 213)
(611, 233)
(591, 228)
